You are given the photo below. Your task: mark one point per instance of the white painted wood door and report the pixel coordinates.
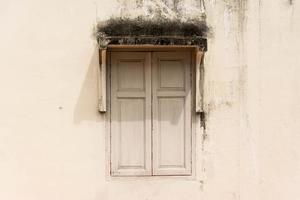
(171, 98)
(131, 114)
(150, 113)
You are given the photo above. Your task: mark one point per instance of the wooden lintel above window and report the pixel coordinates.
(153, 42)
(149, 47)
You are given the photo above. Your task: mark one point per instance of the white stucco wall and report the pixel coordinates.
(52, 139)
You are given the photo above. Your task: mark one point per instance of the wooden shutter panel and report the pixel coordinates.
(130, 114)
(171, 113)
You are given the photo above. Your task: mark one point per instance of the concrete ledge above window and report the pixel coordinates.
(141, 31)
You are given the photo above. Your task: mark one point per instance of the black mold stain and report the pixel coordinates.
(291, 2)
(203, 120)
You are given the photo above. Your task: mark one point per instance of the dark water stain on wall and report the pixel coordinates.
(139, 3)
(203, 119)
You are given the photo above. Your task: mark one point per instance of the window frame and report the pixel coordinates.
(196, 130)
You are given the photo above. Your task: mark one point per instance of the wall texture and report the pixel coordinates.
(52, 139)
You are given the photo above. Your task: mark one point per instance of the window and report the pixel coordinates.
(151, 113)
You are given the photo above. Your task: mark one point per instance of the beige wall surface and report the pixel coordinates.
(53, 140)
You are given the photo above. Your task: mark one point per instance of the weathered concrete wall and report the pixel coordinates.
(273, 114)
(52, 139)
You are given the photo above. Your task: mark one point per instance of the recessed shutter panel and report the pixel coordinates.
(130, 114)
(171, 98)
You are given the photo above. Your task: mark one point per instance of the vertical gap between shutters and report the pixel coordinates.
(151, 57)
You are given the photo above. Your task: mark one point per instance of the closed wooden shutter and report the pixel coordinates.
(131, 114)
(171, 113)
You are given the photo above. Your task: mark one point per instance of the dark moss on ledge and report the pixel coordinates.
(158, 27)
(156, 32)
